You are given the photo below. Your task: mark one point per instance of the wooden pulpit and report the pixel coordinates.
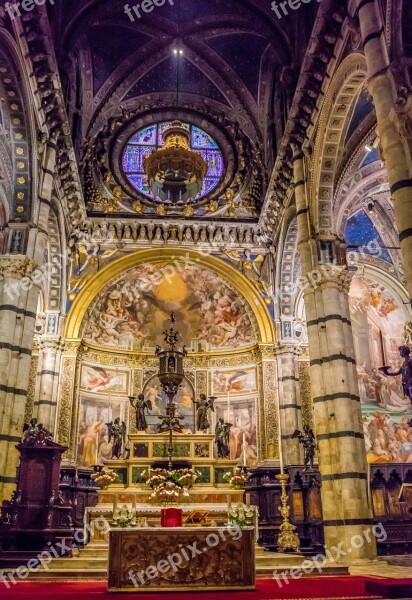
(37, 517)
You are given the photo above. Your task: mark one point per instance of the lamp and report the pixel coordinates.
(175, 172)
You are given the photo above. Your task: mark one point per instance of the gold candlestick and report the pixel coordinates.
(288, 539)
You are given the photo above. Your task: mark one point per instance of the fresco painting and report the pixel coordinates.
(234, 381)
(378, 321)
(99, 379)
(241, 412)
(93, 446)
(184, 401)
(133, 312)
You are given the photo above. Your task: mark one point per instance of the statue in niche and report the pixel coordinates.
(308, 441)
(405, 371)
(222, 433)
(117, 431)
(203, 408)
(140, 405)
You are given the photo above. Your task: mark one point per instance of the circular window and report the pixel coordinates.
(145, 141)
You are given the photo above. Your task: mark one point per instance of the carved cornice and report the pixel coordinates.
(16, 267)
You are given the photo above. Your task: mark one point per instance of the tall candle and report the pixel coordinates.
(382, 348)
(229, 502)
(244, 450)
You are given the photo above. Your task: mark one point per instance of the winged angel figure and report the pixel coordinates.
(117, 431)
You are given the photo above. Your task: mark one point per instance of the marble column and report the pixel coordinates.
(18, 305)
(290, 409)
(335, 394)
(45, 406)
(21, 274)
(394, 124)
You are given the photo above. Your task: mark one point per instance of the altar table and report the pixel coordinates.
(153, 559)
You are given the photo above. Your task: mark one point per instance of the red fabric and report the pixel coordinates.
(171, 517)
(266, 589)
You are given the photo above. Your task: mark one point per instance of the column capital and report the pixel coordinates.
(266, 351)
(401, 116)
(288, 347)
(16, 267)
(329, 274)
(72, 347)
(55, 343)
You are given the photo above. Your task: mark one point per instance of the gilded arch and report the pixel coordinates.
(156, 256)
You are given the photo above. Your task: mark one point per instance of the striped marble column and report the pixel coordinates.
(394, 124)
(45, 406)
(290, 409)
(20, 278)
(337, 415)
(18, 305)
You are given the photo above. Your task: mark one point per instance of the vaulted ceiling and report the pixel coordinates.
(239, 66)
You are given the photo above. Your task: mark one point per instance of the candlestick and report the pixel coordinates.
(229, 502)
(244, 450)
(247, 499)
(115, 502)
(288, 539)
(134, 501)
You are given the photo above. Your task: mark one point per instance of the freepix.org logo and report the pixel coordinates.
(146, 7)
(282, 8)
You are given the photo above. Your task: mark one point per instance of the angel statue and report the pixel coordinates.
(222, 435)
(252, 267)
(308, 441)
(117, 431)
(203, 408)
(405, 371)
(140, 405)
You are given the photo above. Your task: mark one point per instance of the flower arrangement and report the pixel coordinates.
(237, 478)
(183, 477)
(169, 486)
(242, 515)
(124, 517)
(169, 492)
(104, 477)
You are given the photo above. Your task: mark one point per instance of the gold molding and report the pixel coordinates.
(266, 333)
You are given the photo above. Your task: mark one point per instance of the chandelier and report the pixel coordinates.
(174, 171)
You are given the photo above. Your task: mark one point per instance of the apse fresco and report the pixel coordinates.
(145, 141)
(93, 446)
(158, 399)
(378, 320)
(133, 312)
(235, 381)
(241, 412)
(99, 379)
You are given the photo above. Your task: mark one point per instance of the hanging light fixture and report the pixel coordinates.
(174, 171)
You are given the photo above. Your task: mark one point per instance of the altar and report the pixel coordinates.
(153, 559)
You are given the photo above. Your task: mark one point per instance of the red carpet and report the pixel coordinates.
(342, 588)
